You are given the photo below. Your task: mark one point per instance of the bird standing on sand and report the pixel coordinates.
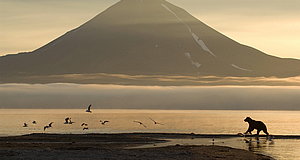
(140, 123)
(89, 109)
(155, 122)
(67, 120)
(33, 122)
(103, 122)
(70, 121)
(25, 125)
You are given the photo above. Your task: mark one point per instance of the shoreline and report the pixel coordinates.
(116, 146)
(159, 135)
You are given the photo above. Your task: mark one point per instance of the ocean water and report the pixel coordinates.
(174, 121)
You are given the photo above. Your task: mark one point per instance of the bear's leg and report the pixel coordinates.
(266, 132)
(258, 132)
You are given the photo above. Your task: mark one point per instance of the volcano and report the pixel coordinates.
(146, 37)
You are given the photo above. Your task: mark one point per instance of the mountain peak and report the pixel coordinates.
(147, 37)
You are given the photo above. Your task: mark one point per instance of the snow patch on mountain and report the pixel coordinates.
(195, 37)
(240, 68)
(188, 55)
(194, 63)
(202, 44)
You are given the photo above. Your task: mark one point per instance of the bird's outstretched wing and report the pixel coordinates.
(155, 121)
(103, 122)
(144, 125)
(137, 122)
(160, 123)
(50, 124)
(46, 127)
(140, 123)
(152, 120)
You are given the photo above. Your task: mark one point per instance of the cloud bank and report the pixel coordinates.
(147, 97)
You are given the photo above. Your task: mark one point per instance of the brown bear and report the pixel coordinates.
(258, 125)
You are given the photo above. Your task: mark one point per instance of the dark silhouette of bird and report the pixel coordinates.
(84, 124)
(155, 122)
(33, 122)
(67, 120)
(89, 109)
(70, 121)
(103, 122)
(85, 128)
(140, 123)
(25, 125)
(48, 126)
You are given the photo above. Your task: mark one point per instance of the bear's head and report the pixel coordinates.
(248, 119)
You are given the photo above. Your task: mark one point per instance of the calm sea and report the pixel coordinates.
(175, 121)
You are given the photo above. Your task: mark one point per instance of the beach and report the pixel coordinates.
(113, 146)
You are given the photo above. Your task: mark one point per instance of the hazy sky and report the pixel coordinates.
(272, 26)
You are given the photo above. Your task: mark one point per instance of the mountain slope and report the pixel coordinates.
(147, 37)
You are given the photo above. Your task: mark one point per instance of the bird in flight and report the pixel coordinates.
(103, 122)
(155, 122)
(89, 109)
(48, 126)
(140, 123)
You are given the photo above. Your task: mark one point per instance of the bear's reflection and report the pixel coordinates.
(258, 144)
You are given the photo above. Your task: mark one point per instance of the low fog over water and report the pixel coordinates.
(139, 97)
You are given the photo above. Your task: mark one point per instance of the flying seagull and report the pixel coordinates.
(103, 122)
(140, 123)
(49, 126)
(46, 127)
(25, 125)
(89, 109)
(155, 122)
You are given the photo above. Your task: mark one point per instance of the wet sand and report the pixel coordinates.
(113, 146)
